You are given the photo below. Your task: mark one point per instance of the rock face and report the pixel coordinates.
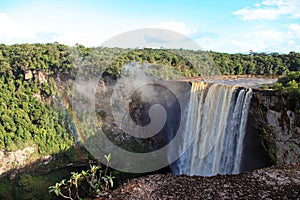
(271, 183)
(277, 120)
(41, 77)
(28, 74)
(16, 159)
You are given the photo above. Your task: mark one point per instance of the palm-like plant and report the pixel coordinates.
(99, 182)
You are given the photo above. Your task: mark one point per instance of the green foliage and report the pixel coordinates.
(171, 63)
(290, 83)
(28, 114)
(6, 189)
(32, 181)
(97, 182)
(189, 63)
(28, 186)
(265, 86)
(257, 63)
(165, 63)
(278, 86)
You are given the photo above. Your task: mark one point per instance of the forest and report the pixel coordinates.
(29, 112)
(30, 109)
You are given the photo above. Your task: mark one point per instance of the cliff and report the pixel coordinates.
(276, 118)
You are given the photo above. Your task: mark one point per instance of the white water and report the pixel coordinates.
(216, 121)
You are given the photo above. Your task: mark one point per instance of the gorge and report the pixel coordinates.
(216, 136)
(37, 143)
(230, 124)
(258, 128)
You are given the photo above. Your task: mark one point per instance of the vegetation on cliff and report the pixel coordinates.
(29, 112)
(289, 83)
(30, 90)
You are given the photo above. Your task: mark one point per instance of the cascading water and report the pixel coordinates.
(216, 121)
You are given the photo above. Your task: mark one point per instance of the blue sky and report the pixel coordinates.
(218, 25)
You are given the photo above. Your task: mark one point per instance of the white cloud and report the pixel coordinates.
(11, 30)
(25, 28)
(295, 29)
(264, 40)
(70, 25)
(259, 13)
(270, 10)
(273, 2)
(179, 27)
(257, 5)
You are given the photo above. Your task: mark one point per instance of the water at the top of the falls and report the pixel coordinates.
(250, 82)
(216, 119)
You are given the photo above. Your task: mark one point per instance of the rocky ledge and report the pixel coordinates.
(282, 182)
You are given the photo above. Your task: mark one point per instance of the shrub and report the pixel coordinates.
(97, 181)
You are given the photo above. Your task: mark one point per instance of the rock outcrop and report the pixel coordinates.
(41, 77)
(15, 159)
(277, 120)
(28, 74)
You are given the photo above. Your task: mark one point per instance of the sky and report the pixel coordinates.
(233, 26)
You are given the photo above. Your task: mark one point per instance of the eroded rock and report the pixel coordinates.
(281, 182)
(278, 123)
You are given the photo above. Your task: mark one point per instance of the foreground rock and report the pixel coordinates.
(271, 183)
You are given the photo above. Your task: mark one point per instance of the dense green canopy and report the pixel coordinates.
(30, 114)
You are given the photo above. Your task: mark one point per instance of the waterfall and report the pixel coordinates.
(216, 118)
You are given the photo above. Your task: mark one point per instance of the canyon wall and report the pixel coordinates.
(275, 117)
